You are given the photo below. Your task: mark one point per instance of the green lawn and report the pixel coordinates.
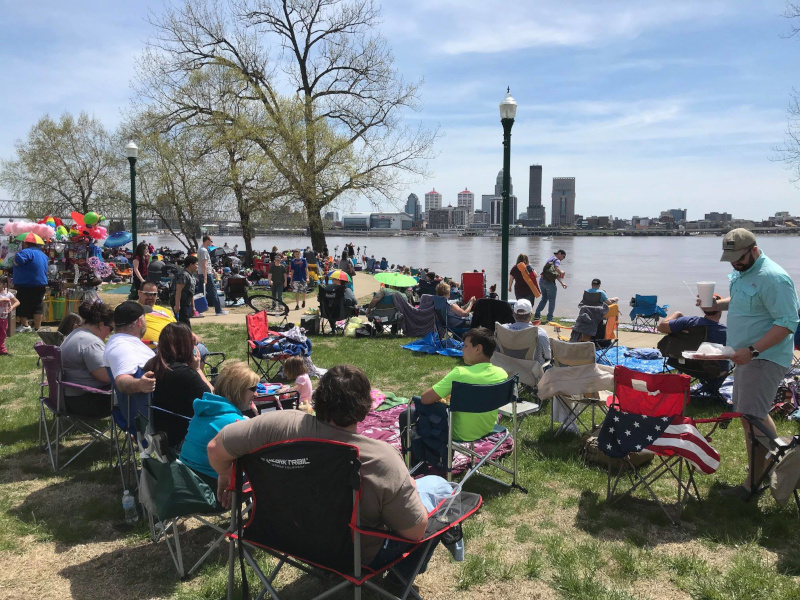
(561, 540)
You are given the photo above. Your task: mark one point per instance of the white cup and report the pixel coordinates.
(705, 289)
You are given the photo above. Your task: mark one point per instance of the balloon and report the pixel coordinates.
(92, 218)
(61, 232)
(96, 233)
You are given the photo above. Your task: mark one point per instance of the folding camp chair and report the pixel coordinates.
(782, 463)
(127, 440)
(235, 290)
(261, 350)
(51, 400)
(385, 314)
(647, 413)
(171, 493)
(515, 352)
(646, 313)
(569, 409)
(473, 285)
(488, 311)
(323, 485)
(443, 325)
(333, 309)
(607, 337)
(710, 374)
(211, 364)
(465, 398)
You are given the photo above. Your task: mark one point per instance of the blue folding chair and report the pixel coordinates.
(443, 320)
(646, 312)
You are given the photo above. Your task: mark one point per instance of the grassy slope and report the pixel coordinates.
(560, 540)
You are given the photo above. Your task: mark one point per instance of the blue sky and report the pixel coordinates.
(650, 105)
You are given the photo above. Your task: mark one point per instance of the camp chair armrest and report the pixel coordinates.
(86, 388)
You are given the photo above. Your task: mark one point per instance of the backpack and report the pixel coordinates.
(549, 271)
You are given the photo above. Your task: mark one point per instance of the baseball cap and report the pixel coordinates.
(226, 270)
(595, 281)
(523, 307)
(735, 242)
(127, 313)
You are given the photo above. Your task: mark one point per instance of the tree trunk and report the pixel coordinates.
(247, 233)
(315, 227)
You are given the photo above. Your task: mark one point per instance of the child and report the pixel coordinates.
(493, 292)
(8, 302)
(294, 369)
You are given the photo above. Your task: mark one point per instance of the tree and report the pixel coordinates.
(789, 153)
(341, 134)
(70, 164)
(178, 178)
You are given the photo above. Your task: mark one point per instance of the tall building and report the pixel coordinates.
(414, 208)
(433, 200)
(466, 200)
(563, 202)
(537, 213)
(496, 212)
(677, 214)
(486, 202)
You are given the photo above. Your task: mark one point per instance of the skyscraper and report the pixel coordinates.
(536, 211)
(433, 200)
(488, 202)
(563, 201)
(466, 200)
(413, 208)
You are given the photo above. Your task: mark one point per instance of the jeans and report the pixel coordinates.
(211, 294)
(277, 292)
(549, 291)
(427, 487)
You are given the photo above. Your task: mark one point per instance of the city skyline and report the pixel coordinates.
(623, 97)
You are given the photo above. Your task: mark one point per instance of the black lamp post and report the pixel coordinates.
(132, 150)
(508, 110)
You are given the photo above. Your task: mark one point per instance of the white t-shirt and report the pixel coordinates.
(125, 354)
(203, 255)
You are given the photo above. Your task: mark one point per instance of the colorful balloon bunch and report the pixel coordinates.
(56, 224)
(87, 225)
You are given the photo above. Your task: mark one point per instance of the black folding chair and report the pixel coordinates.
(318, 482)
(235, 291)
(710, 374)
(332, 308)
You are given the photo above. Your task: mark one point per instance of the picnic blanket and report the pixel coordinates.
(629, 358)
(381, 424)
(432, 344)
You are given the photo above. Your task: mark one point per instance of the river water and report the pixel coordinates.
(626, 265)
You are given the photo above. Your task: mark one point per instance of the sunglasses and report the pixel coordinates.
(253, 389)
(741, 258)
(150, 293)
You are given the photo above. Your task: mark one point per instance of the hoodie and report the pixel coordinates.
(211, 414)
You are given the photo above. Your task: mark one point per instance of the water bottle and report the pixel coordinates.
(458, 550)
(129, 508)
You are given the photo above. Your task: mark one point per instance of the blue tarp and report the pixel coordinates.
(432, 344)
(632, 362)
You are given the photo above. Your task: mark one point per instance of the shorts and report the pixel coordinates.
(30, 300)
(299, 287)
(755, 385)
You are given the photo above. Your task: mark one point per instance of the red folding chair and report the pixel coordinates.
(473, 284)
(646, 413)
(261, 353)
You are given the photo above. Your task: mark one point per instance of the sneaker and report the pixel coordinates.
(222, 312)
(297, 306)
(24, 329)
(198, 316)
(304, 303)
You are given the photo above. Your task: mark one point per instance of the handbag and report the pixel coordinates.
(171, 489)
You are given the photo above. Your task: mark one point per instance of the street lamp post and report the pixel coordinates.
(132, 150)
(508, 110)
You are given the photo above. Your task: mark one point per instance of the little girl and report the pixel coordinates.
(294, 369)
(8, 302)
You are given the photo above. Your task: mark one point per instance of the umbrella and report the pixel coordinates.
(396, 280)
(31, 238)
(115, 240)
(339, 274)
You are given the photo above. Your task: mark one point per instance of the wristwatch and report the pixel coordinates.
(753, 351)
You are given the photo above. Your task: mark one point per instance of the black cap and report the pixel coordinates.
(127, 313)
(595, 281)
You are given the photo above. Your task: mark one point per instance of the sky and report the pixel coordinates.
(649, 105)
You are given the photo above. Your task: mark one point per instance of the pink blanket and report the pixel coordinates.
(382, 425)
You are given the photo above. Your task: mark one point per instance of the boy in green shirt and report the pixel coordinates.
(479, 345)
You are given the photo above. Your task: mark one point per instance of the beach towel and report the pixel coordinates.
(526, 277)
(644, 354)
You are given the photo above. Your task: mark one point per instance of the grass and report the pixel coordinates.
(560, 540)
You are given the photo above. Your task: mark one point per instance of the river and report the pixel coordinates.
(626, 265)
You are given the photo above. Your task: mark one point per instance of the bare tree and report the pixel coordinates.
(179, 178)
(789, 152)
(321, 81)
(70, 164)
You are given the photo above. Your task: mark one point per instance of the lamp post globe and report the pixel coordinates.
(508, 110)
(132, 152)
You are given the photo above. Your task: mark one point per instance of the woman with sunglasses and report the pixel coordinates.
(179, 380)
(82, 361)
(234, 390)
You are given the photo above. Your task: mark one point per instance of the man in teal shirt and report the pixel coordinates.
(479, 345)
(762, 318)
